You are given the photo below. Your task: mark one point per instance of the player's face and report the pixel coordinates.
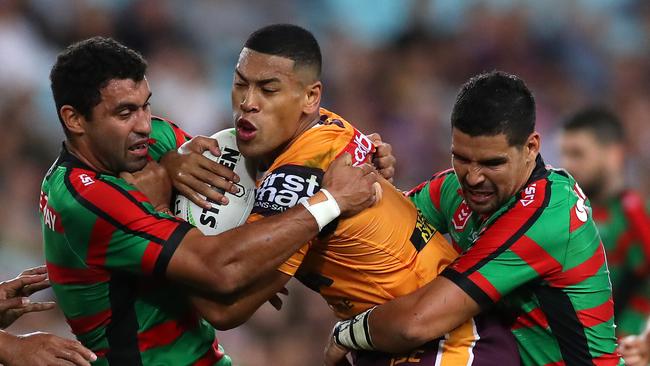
(489, 170)
(267, 101)
(585, 158)
(118, 132)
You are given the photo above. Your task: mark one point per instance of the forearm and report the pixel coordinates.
(227, 312)
(259, 248)
(6, 339)
(412, 320)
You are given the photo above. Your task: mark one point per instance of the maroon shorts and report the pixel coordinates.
(496, 347)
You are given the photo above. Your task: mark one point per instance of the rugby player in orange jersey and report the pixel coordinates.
(358, 262)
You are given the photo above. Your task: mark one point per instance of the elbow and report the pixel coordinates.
(413, 334)
(225, 281)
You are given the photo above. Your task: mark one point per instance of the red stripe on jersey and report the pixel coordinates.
(502, 229)
(634, 208)
(597, 315)
(181, 136)
(165, 333)
(101, 352)
(640, 304)
(535, 317)
(610, 359)
(360, 148)
(76, 276)
(119, 207)
(85, 324)
(435, 186)
(535, 256)
(211, 357)
(580, 272)
(150, 256)
(559, 363)
(139, 196)
(485, 285)
(623, 243)
(100, 236)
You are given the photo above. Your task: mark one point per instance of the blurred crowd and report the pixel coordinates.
(390, 66)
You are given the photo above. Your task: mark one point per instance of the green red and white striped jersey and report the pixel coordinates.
(539, 258)
(624, 227)
(107, 251)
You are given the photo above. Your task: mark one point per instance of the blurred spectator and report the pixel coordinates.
(392, 66)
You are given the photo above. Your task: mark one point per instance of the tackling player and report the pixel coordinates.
(355, 263)
(111, 249)
(529, 243)
(592, 150)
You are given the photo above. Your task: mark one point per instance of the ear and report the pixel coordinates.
(533, 144)
(74, 121)
(312, 99)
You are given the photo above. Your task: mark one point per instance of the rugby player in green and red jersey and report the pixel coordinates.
(527, 240)
(592, 147)
(123, 270)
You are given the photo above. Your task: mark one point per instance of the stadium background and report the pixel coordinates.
(389, 66)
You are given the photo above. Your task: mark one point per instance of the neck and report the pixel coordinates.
(80, 151)
(306, 122)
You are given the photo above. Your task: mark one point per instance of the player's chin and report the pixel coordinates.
(135, 165)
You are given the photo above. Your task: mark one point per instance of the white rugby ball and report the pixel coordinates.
(220, 218)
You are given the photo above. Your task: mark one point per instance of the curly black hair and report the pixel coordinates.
(85, 67)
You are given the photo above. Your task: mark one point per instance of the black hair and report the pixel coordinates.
(600, 121)
(85, 67)
(493, 103)
(289, 41)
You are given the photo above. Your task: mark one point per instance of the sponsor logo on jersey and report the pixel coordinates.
(461, 216)
(581, 209)
(51, 218)
(285, 187)
(528, 195)
(86, 180)
(360, 148)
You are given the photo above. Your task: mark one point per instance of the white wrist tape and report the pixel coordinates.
(324, 211)
(354, 333)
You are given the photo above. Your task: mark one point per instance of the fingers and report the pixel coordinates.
(75, 353)
(199, 144)
(33, 307)
(344, 160)
(34, 271)
(30, 289)
(128, 177)
(13, 303)
(18, 283)
(276, 301)
(195, 190)
(218, 169)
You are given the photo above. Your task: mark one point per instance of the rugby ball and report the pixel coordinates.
(220, 218)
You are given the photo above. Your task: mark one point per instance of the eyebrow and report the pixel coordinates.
(262, 81)
(129, 105)
(490, 161)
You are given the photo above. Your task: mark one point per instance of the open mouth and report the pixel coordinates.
(140, 148)
(246, 131)
(479, 196)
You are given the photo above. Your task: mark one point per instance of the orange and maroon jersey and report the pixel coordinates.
(386, 251)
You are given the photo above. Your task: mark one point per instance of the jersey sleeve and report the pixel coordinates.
(128, 234)
(427, 197)
(281, 189)
(505, 257)
(165, 136)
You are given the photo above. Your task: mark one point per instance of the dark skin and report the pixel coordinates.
(490, 172)
(35, 348)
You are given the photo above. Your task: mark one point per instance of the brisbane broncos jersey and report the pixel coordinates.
(386, 251)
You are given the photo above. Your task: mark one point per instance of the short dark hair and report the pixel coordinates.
(600, 121)
(85, 67)
(289, 41)
(494, 103)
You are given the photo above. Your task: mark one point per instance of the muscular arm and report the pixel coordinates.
(227, 312)
(426, 314)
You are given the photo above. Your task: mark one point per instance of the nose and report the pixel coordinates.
(249, 102)
(143, 123)
(474, 176)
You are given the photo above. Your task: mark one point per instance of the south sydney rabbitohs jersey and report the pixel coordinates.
(539, 258)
